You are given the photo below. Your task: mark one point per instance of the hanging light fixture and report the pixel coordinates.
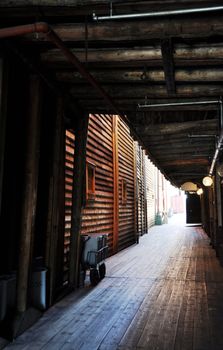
(207, 181)
(189, 187)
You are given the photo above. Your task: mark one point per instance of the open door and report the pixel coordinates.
(193, 209)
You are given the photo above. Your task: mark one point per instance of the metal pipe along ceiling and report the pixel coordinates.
(187, 103)
(159, 13)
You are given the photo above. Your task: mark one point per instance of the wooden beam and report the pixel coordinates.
(77, 3)
(168, 65)
(164, 139)
(149, 90)
(147, 55)
(183, 162)
(183, 147)
(29, 195)
(107, 55)
(79, 178)
(129, 75)
(180, 141)
(194, 27)
(153, 117)
(170, 128)
(166, 158)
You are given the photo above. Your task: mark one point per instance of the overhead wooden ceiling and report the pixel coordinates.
(138, 61)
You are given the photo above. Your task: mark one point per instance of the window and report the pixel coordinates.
(90, 181)
(124, 191)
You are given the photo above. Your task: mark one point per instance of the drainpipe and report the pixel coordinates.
(42, 27)
(158, 13)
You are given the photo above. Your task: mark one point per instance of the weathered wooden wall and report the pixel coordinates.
(110, 149)
(109, 146)
(97, 215)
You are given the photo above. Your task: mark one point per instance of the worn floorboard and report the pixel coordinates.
(164, 293)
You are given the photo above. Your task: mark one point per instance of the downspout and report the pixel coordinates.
(43, 27)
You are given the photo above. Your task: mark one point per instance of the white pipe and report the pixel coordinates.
(159, 13)
(188, 103)
(200, 136)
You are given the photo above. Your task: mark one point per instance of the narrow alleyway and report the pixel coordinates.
(164, 293)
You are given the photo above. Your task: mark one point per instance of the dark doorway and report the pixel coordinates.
(193, 209)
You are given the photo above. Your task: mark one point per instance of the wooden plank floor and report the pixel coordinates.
(164, 293)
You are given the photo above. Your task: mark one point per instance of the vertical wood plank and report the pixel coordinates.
(3, 97)
(30, 193)
(55, 202)
(78, 188)
(115, 184)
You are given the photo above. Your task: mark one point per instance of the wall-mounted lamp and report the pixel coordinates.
(200, 191)
(207, 181)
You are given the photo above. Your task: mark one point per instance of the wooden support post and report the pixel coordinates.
(3, 97)
(115, 184)
(30, 194)
(55, 224)
(78, 188)
(168, 65)
(218, 196)
(212, 213)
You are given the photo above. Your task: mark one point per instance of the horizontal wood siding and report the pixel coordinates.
(150, 191)
(97, 215)
(127, 232)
